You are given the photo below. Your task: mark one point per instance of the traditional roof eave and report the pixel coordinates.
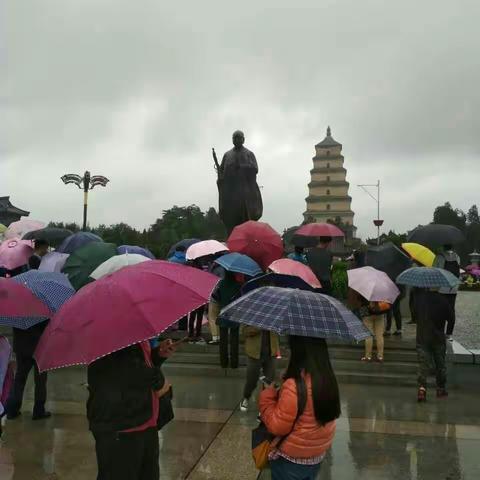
(328, 141)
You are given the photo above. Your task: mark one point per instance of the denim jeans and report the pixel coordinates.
(282, 469)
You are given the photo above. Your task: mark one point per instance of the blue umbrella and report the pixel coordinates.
(186, 242)
(239, 263)
(53, 289)
(276, 280)
(122, 249)
(428, 277)
(77, 240)
(289, 311)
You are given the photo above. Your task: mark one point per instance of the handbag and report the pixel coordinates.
(165, 413)
(263, 442)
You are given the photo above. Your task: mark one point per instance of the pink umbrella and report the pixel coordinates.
(205, 248)
(286, 266)
(16, 300)
(127, 307)
(15, 253)
(22, 227)
(372, 284)
(475, 272)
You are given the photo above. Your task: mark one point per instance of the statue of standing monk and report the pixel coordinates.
(239, 196)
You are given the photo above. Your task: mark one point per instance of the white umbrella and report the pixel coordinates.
(22, 227)
(372, 284)
(116, 263)
(53, 262)
(205, 248)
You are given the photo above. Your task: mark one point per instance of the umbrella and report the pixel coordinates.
(3, 228)
(372, 284)
(131, 305)
(475, 272)
(116, 263)
(186, 242)
(22, 227)
(14, 253)
(276, 280)
(291, 267)
(239, 263)
(136, 250)
(257, 240)
(419, 253)
(205, 248)
(428, 277)
(53, 289)
(388, 258)
(19, 307)
(53, 262)
(296, 312)
(54, 236)
(85, 260)
(76, 241)
(320, 230)
(436, 235)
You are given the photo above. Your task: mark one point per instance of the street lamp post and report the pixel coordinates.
(378, 222)
(87, 183)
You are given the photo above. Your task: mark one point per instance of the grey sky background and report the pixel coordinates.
(141, 91)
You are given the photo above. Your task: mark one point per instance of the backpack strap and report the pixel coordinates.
(301, 404)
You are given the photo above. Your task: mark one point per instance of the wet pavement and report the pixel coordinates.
(467, 328)
(382, 434)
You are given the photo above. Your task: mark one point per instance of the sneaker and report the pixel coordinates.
(387, 333)
(41, 416)
(442, 393)
(201, 341)
(244, 405)
(13, 415)
(398, 333)
(449, 338)
(214, 341)
(422, 395)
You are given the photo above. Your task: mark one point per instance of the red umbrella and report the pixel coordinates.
(17, 301)
(257, 240)
(319, 230)
(127, 307)
(286, 266)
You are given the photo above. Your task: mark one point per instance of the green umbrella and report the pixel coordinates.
(81, 263)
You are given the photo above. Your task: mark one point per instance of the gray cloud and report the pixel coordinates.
(140, 91)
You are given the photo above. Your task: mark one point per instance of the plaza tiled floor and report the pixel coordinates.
(382, 434)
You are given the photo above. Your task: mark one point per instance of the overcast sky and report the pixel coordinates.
(139, 91)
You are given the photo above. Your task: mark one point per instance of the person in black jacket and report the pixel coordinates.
(24, 344)
(123, 409)
(41, 249)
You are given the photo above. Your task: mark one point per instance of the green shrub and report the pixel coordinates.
(340, 280)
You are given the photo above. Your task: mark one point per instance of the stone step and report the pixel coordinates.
(374, 377)
(338, 363)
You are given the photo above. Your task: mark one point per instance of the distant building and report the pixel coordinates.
(328, 200)
(9, 213)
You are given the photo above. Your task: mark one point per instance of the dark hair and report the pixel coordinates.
(180, 248)
(447, 247)
(41, 243)
(325, 239)
(311, 355)
(299, 250)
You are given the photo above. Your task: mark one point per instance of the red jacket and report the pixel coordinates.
(279, 410)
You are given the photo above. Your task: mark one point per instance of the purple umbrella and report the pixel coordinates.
(372, 284)
(53, 262)
(122, 249)
(77, 240)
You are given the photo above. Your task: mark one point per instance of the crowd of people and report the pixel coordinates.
(130, 398)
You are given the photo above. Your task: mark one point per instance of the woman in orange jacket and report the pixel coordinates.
(303, 441)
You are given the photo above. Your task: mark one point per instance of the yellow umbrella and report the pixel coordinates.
(419, 253)
(3, 228)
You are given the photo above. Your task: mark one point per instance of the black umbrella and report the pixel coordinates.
(54, 236)
(187, 242)
(304, 241)
(388, 258)
(436, 235)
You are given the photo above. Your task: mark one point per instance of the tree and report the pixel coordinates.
(446, 215)
(472, 215)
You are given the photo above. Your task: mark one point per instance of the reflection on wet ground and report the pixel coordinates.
(383, 434)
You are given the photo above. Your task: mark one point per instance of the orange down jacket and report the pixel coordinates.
(278, 412)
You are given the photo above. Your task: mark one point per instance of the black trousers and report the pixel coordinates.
(24, 364)
(195, 322)
(396, 313)
(266, 365)
(128, 456)
(452, 317)
(432, 354)
(229, 337)
(411, 306)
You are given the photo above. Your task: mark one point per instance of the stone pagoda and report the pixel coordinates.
(328, 199)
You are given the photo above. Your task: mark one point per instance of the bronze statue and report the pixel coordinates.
(239, 197)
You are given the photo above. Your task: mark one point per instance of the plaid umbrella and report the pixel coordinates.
(53, 289)
(428, 277)
(296, 312)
